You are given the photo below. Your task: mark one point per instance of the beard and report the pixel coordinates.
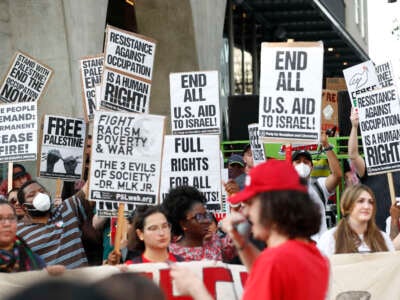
(37, 213)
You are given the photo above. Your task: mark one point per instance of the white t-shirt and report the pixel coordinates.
(327, 243)
(314, 195)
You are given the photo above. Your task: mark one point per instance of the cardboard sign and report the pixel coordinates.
(91, 72)
(385, 74)
(120, 92)
(335, 83)
(379, 113)
(18, 132)
(329, 116)
(129, 53)
(62, 147)
(360, 78)
(195, 102)
(193, 160)
(257, 148)
(26, 80)
(125, 159)
(290, 92)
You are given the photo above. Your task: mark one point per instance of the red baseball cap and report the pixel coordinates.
(272, 175)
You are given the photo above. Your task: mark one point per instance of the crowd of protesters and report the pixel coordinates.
(282, 204)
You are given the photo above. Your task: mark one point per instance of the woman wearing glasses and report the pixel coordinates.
(190, 221)
(15, 255)
(151, 235)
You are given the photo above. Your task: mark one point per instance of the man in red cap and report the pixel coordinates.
(278, 206)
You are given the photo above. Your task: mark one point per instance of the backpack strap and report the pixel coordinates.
(319, 191)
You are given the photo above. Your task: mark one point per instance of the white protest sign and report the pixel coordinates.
(385, 74)
(290, 92)
(360, 78)
(126, 155)
(195, 102)
(257, 148)
(62, 147)
(379, 113)
(129, 53)
(193, 160)
(224, 194)
(18, 132)
(120, 92)
(91, 72)
(25, 81)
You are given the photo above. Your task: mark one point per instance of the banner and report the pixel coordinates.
(18, 132)
(379, 113)
(360, 78)
(91, 71)
(290, 92)
(370, 276)
(62, 147)
(126, 157)
(195, 102)
(26, 80)
(193, 160)
(257, 148)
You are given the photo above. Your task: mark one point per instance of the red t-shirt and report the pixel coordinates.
(293, 270)
(142, 259)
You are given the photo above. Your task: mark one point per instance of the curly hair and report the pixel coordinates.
(178, 202)
(292, 212)
(347, 240)
(141, 213)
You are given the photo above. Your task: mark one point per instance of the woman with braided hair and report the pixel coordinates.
(357, 231)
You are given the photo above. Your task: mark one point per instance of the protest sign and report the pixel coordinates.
(379, 113)
(125, 158)
(193, 160)
(120, 92)
(290, 92)
(18, 132)
(62, 147)
(110, 209)
(129, 53)
(195, 102)
(257, 148)
(26, 80)
(91, 72)
(329, 109)
(385, 74)
(360, 78)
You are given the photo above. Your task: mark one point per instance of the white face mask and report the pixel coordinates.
(41, 202)
(303, 170)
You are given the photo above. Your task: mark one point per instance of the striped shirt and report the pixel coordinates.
(58, 241)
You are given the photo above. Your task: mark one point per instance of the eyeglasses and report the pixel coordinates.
(13, 201)
(207, 216)
(163, 227)
(10, 219)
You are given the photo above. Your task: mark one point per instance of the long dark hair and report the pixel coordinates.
(141, 213)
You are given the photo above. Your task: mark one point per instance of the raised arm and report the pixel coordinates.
(355, 157)
(336, 171)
